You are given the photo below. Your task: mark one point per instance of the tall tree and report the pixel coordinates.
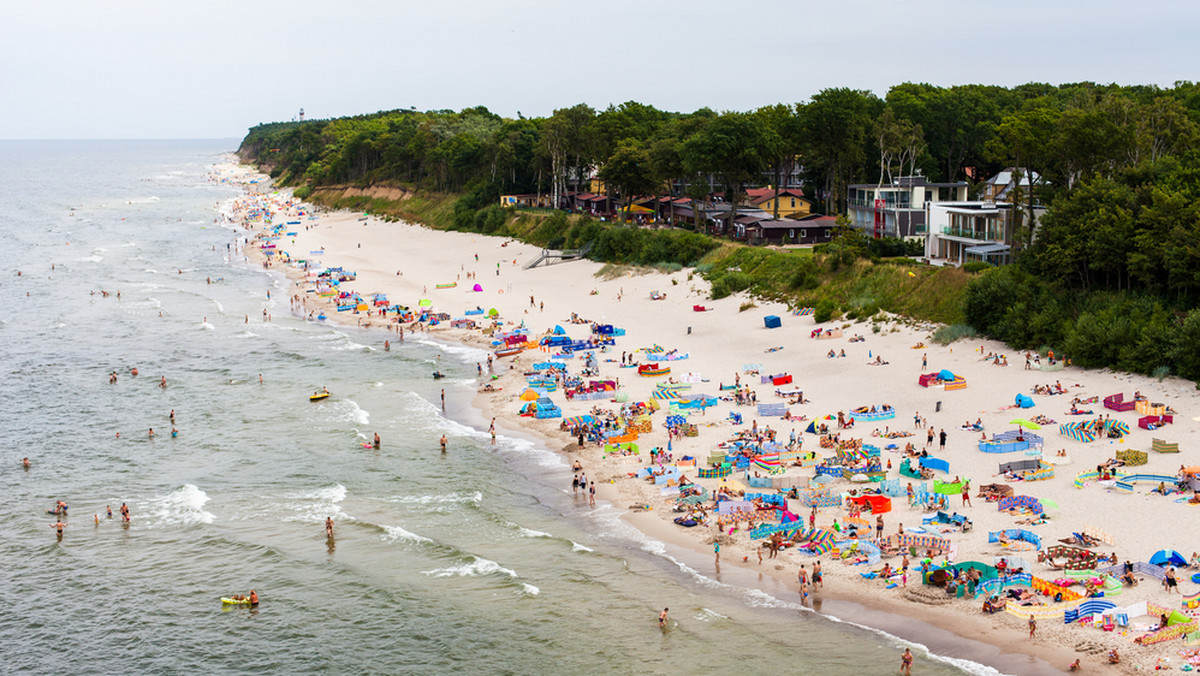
(734, 147)
(837, 128)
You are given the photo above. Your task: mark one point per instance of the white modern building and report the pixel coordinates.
(960, 232)
(898, 209)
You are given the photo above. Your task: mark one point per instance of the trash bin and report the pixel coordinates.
(689, 330)
(938, 408)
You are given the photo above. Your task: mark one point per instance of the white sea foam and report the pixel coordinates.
(183, 506)
(90, 259)
(576, 547)
(207, 327)
(530, 590)
(143, 200)
(220, 308)
(449, 498)
(317, 505)
(351, 345)
(463, 353)
(530, 533)
(398, 534)
(709, 615)
(353, 412)
(477, 567)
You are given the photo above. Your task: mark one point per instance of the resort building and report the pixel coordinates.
(960, 232)
(898, 209)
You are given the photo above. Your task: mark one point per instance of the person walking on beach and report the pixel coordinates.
(329, 527)
(492, 431)
(818, 577)
(879, 526)
(443, 443)
(575, 484)
(924, 362)
(1032, 627)
(124, 510)
(717, 554)
(592, 494)
(906, 662)
(1170, 583)
(929, 437)
(662, 619)
(942, 440)
(966, 494)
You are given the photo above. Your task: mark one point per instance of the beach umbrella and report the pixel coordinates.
(493, 312)
(822, 479)
(424, 302)
(1047, 503)
(1027, 424)
(529, 395)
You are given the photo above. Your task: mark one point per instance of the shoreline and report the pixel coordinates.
(853, 598)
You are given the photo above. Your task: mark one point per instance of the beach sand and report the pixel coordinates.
(407, 262)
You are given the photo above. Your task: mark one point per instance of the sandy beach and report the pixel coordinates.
(729, 343)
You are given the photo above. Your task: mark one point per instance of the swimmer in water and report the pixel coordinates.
(443, 442)
(59, 526)
(25, 463)
(163, 382)
(329, 527)
(662, 619)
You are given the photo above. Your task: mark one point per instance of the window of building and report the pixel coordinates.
(803, 233)
(793, 202)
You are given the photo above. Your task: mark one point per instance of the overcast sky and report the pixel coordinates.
(211, 69)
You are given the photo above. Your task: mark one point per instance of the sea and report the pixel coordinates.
(479, 560)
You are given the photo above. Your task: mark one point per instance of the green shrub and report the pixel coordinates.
(976, 266)
(824, 311)
(953, 332)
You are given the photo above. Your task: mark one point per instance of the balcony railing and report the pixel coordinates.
(982, 235)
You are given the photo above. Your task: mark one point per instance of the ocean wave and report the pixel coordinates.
(144, 200)
(527, 449)
(351, 345)
(90, 259)
(479, 566)
(529, 590)
(207, 327)
(709, 615)
(246, 334)
(464, 353)
(183, 506)
(530, 533)
(398, 534)
(449, 498)
(576, 547)
(317, 505)
(352, 412)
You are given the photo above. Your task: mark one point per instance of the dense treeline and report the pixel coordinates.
(1111, 274)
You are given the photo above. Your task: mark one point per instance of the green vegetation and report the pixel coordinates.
(1108, 276)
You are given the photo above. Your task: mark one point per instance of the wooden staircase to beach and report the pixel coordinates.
(552, 256)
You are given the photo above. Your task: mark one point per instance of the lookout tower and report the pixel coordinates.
(301, 114)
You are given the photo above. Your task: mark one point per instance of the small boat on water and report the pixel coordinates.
(509, 351)
(318, 396)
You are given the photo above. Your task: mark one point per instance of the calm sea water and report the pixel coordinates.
(476, 560)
